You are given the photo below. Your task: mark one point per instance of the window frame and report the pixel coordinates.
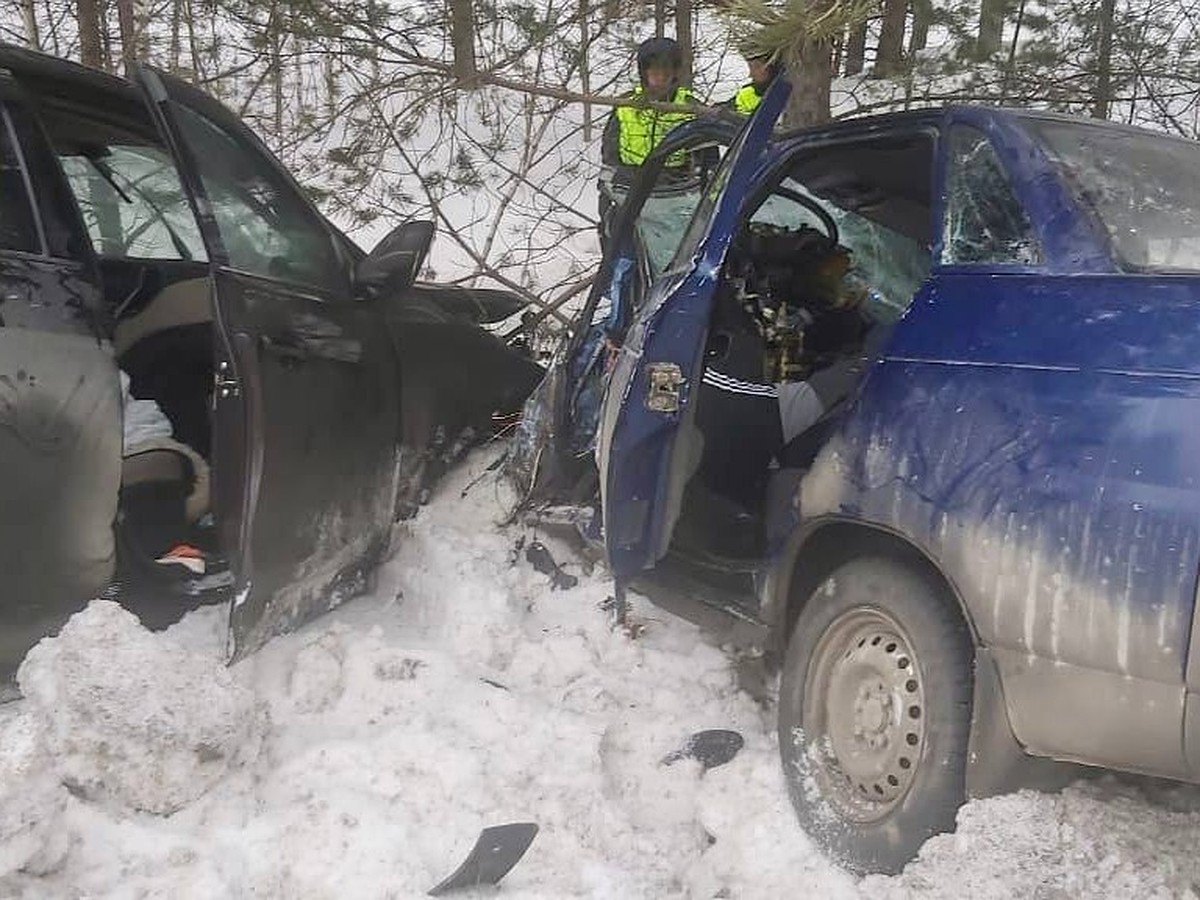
(182, 97)
(32, 207)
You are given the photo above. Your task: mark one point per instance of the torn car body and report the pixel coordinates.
(288, 378)
(1007, 383)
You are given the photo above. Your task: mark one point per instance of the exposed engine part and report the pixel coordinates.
(794, 286)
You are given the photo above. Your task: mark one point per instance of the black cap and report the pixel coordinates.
(658, 49)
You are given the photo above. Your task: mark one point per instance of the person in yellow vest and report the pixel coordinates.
(632, 132)
(762, 73)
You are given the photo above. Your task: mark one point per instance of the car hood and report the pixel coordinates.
(442, 302)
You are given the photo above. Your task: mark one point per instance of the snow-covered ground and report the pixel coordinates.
(360, 757)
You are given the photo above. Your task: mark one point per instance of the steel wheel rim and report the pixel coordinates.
(864, 714)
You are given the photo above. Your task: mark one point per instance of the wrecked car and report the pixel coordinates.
(909, 402)
(207, 392)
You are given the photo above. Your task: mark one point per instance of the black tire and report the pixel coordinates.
(876, 762)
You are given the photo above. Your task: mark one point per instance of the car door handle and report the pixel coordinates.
(289, 350)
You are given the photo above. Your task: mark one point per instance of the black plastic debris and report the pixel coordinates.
(712, 747)
(497, 849)
(539, 557)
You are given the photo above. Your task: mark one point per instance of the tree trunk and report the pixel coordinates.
(53, 17)
(585, 73)
(1102, 99)
(29, 19)
(891, 38)
(125, 22)
(922, 19)
(683, 34)
(106, 38)
(660, 17)
(193, 43)
(1010, 67)
(856, 49)
(276, 66)
(462, 39)
(812, 74)
(89, 33)
(991, 27)
(174, 48)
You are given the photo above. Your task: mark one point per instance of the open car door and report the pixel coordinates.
(643, 464)
(305, 405)
(552, 456)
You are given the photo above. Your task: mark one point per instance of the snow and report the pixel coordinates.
(106, 693)
(361, 756)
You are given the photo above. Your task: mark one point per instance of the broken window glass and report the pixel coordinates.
(891, 263)
(984, 222)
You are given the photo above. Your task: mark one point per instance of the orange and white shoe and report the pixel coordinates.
(184, 555)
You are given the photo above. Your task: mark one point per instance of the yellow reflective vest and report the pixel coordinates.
(643, 129)
(746, 100)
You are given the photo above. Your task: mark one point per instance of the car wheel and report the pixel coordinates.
(874, 713)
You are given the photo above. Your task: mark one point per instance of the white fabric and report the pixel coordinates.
(144, 421)
(799, 407)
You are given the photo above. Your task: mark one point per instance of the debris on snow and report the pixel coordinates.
(497, 849)
(539, 557)
(711, 748)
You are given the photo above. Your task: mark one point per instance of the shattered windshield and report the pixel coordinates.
(663, 221)
(893, 264)
(1142, 187)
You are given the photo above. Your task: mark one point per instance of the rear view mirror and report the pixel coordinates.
(393, 265)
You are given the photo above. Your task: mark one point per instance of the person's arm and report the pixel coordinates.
(610, 143)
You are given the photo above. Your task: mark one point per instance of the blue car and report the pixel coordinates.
(913, 403)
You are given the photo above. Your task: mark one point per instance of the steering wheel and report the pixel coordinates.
(811, 205)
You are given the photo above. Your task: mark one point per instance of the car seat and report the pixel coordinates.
(167, 350)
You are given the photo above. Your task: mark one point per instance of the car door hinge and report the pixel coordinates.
(665, 381)
(223, 382)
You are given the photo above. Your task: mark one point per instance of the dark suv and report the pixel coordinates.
(296, 389)
(913, 402)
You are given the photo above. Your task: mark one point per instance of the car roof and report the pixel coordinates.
(903, 119)
(68, 76)
(78, 104)
(932, 116)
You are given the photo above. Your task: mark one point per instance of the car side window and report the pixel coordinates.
(132, 202)
(266, 228)
(18, 231)
(984, 223)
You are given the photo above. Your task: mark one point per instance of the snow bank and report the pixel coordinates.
(1099, 840)
(31, 799)
(466, 692)
(133, 718)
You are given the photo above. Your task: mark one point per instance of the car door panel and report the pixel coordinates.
(1033, 434)
(644, 462)
(306, 412)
